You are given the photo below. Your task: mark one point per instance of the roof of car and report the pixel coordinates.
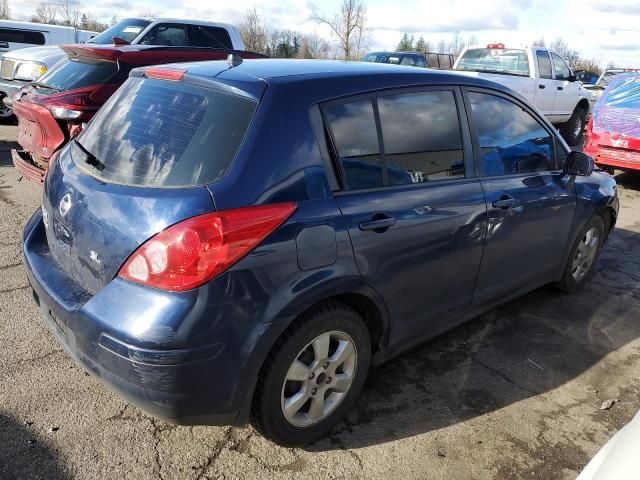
(292, 70)
(131, 52)
(394, 53)
(319, 78)
(188, 21)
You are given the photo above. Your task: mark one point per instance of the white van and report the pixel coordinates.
(15, 35)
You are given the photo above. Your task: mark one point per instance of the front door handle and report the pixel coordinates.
(378, 224)
(560, 88)
(505, 202)
(542, 86)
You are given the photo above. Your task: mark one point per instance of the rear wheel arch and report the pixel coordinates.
(583, 104)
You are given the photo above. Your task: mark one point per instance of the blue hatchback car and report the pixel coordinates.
(231, 243)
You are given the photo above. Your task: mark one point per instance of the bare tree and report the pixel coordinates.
(46, 13)
(540, 42)
(561, 47)
(70, 13)
(348, 25)
(589, 65)
(254, 32)
(456, 45)
(313, 46)
(5, 11)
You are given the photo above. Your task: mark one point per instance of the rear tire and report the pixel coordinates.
(585, 251)
(573, 129)
(303, 390)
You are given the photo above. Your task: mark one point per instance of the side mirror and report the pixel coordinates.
(572, 78)
(579, 164)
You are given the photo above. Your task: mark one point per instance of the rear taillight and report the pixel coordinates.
(194, 251)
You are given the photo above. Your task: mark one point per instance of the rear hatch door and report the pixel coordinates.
(140, 166)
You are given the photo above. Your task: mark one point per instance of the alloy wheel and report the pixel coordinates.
(585, 254)
(319, 378)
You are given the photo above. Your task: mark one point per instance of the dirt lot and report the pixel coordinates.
(513, 394)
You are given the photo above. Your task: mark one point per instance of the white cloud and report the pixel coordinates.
(602, 29)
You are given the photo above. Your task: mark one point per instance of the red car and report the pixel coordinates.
(56, 107)
(613, 133)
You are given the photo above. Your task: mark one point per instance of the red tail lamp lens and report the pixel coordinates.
(163, 73)
(192, 252)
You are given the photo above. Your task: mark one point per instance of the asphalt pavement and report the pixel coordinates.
(513, 394)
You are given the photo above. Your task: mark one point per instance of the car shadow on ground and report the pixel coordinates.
(5, 152)
(524, 348)
(38, 462)
(630, 180)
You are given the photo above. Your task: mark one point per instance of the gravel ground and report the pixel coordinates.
(513, 394)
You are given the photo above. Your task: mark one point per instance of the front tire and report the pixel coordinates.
(573, 128)
(312, 376)
(585, 251)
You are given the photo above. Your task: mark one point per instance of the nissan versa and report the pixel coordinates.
(228, 243)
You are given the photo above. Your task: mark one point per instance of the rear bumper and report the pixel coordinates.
(29, 170)
(172, 375)
(622, 159)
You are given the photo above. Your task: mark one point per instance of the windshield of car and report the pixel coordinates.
(127, 29)
(495, 60)
(164, 134)
(73, 73)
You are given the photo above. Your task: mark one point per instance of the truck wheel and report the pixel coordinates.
(573, 129)
(312, 376)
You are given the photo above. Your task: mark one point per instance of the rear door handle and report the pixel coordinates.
(560, 88)
(504, 202)
(380, 224)
(542, 86)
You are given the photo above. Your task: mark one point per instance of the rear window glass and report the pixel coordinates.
(495, 60)
(77, 73)
(21, 36)
(165, 134)
(203, 36)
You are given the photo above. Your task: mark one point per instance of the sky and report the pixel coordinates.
(605, 30)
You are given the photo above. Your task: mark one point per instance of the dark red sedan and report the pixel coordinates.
(54, 109)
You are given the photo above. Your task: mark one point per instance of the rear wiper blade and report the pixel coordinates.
(90, 158)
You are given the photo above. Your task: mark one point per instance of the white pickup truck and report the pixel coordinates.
(539, 75)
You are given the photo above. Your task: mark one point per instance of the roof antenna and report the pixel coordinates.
(233, 59)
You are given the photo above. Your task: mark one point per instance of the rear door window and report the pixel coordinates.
(212, 37)
(164, 134)
(77, 73)
(421, 137)
(356, 140)
(544, 64)
(511, 140)
(168, 34)
(29, 37)
(408, 60)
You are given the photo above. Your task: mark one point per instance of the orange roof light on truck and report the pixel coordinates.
(495, 45)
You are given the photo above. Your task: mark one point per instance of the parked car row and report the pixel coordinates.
(234, 241)
(539, 75)
(54, 109)
(613, 132)
(23, 66)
